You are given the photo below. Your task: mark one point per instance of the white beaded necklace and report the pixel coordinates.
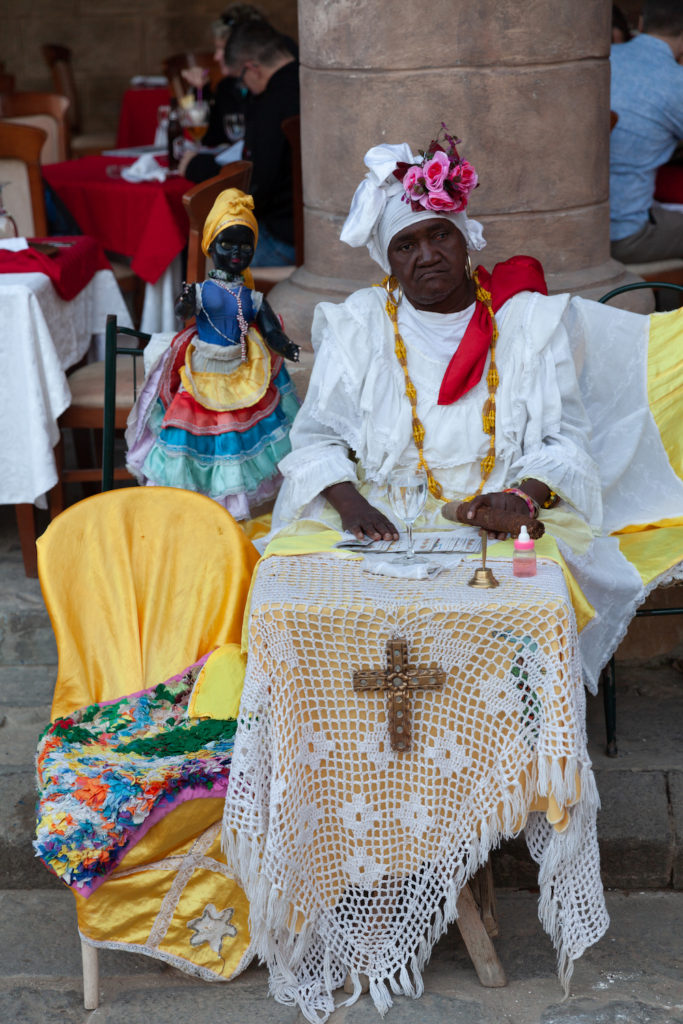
(241, 319)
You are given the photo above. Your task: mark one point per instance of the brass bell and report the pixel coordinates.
(483, 578)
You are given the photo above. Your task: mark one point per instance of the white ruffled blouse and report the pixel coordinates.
(356, 413)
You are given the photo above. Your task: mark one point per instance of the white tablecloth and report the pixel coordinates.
(157, 310)
(353, 854)
(41, 336)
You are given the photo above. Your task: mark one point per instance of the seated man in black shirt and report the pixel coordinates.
(259, 57)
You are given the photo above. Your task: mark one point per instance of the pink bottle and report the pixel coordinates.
(524, 557)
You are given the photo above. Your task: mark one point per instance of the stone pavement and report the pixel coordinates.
(632, 977)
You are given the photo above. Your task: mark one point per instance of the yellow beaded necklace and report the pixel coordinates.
(488, 412)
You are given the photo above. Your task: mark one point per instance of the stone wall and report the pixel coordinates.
(112, 40)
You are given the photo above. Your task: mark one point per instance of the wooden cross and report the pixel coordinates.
(398, 679)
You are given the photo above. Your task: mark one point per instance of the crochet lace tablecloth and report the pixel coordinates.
(353, 855)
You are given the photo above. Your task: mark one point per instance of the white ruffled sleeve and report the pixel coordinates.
(555, 442)
(328, 426)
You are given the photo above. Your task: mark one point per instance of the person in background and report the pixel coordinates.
(647, 95)
(259, 56)
(621, 31)
(229, 98)
(262, 60)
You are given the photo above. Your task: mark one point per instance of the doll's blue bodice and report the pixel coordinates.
(217, 315)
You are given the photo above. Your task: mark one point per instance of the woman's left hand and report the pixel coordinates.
(499, 500)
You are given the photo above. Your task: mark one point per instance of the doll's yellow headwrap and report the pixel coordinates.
(232, 207)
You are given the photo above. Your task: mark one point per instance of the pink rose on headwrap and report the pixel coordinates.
(468, 177)
(413, 182)
(441, 201)
(436, 170)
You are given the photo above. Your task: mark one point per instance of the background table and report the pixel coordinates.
(41, 336)
(138, 117)
(143, 220)
(360, 848)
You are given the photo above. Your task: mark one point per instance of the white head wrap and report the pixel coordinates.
(378, 211)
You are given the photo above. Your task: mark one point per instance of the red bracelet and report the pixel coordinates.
(531, 504)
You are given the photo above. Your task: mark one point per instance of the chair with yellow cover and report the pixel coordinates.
(140, 583)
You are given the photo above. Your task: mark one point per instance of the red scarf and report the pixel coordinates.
(518, 274)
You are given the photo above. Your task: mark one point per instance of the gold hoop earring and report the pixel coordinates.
(468, 267)
(393, 289)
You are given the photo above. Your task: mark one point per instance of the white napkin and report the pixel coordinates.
(13, 244)
(231, 154)
(419, 571)
(144, 169)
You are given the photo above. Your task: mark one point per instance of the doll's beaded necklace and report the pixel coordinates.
(492, 380)
(218, 278)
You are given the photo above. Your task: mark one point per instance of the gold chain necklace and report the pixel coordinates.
(492, 379)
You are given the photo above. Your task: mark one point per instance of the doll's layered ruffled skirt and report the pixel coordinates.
(206, 422)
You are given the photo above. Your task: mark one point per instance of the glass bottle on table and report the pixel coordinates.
(175, 136)
(524, 555)
(8, 225)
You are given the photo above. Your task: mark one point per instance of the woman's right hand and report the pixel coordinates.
(358, 516)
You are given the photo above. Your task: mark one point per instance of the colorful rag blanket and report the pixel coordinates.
(109, 771)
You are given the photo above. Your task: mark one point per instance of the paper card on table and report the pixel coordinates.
(448, 542)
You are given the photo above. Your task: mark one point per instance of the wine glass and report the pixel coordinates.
(196, 119)
(407, 495)
(234, 127)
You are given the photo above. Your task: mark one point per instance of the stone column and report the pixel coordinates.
(524, 84)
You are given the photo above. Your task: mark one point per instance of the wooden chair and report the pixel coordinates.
(58, 59)
(198, 202)
(46, 110)
(20, 148)
(90, 392)
(6, 83)
(116, 572)
(608, 676)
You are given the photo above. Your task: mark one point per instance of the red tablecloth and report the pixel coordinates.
(669, 188)
(146, 220)
(69, 269)
(138, 117)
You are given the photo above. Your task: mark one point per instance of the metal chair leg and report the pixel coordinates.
(609, 696)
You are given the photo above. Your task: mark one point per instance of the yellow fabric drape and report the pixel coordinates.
(240, 389)
(180, 862)
(654, 548)
(162, 578)
(665, 382)
(218, 689)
